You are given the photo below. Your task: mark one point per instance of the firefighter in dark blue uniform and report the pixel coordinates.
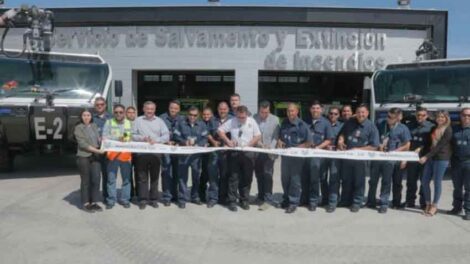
(222, 117)
(210, 171)
(170, 162)
(394, 136)
(190, 132)
(333, 165)
(357, 133)
(321, 135)
(293, 133)
(234, 101)
(461, 165)
(100, 116)
(420, 129)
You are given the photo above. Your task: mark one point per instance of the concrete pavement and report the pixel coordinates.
(40, 223)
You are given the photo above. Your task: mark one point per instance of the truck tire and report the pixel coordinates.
(6, 156)
(6, 160)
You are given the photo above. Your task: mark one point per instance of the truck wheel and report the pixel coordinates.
(6, 156)
(6, 159)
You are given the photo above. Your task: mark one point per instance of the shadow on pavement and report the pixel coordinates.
(42, 166)
(73, 198)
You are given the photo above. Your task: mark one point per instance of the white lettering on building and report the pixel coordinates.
(301, 49)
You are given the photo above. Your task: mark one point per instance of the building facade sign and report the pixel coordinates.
(276, 48)
(246, 50)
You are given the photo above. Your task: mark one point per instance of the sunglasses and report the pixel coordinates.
(100, 104)
(333, 113)
(118, 112)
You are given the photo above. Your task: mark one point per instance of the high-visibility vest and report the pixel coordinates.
(116, 132)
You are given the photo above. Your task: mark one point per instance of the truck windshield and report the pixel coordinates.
(437, 84)
(75, 80)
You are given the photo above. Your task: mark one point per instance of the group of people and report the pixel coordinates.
(226, 176)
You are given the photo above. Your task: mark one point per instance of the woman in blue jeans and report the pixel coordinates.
(436, 161)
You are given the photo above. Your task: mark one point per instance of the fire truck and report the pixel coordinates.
(43, 92)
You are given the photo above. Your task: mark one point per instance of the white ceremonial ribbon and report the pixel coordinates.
(143, 147)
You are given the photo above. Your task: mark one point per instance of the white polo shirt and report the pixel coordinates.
(242, 134)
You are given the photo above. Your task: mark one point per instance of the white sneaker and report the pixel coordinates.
(264, 206)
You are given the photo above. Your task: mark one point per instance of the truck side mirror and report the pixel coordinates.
(118, 88)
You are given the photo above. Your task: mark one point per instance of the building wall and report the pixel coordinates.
(244, 49)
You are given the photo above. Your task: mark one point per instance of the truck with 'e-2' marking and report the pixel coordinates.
(41, 97)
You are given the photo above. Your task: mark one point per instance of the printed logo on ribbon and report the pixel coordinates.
(143, 147)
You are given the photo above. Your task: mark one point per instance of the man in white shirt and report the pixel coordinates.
(244, 132)
(152, 129)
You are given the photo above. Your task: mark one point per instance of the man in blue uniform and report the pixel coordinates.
(394, 136)
(333, 165)
(293, 133)
(346, 113)
(131, 115)
(190, 132)
(235, 101)
(321, 135)
(420, 135)
(461, 165)
(210, 172)
(170, 162)
(361, 134)
(100, 116)
(223, 116)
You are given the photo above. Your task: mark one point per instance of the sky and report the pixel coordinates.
(458, 45)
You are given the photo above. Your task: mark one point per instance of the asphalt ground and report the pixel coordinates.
(40, 223)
